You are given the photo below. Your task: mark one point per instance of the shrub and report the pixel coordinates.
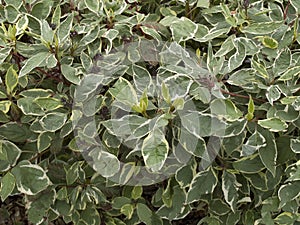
(154, 112)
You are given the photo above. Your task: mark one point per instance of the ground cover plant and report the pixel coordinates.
(149, 112)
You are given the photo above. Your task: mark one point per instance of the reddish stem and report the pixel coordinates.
(242, 96)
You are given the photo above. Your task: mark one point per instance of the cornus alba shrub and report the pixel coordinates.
(149, 112)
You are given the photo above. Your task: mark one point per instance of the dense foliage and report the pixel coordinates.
(149, 112)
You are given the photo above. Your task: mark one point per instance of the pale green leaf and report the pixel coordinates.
(262, 28)
(296, 5)
(203, 3)
(8, 183)
(127, 210)
(30, 178)
(48, 103)
(53, 121)
(9, 154)
(273, 124)
(295, 145)
(63, 31)
(202, 183)
(155, 150)
(288, 192)
(290, 73)
(70, 73)
(11, 80)
(93, 5)
(225, 108)
(273, 93)
(33, 62)
(124, 92)
(5, 106)
(230, 187)
(104, 162)
(250, 164)
(254, 142)
(11, 13)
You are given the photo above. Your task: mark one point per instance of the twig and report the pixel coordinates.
(286, 9)
(242, 96)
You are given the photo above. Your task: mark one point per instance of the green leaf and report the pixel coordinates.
(47, 33)
(92, 5)
(282, 62)
(165, 93)
(5, 106)
(41, 9)
(286, 218)
(290, 73)
(104, 162)
(44, 141)
(250, 164)
(251, 109)
(29, 107)
(296, 5)
(155, 150)
(226, 47)
(90, 216)
(17, 4)
(40, 206)
(203, 125)
(211, 220)
(63, 31)
(70, 74)
(260, 68)
(137, 192)
(183, 29)
(178, 209)
(22, 24)
(273, 93)
(254, 142)
(273, 124)
(56, 15)
(33, 62)
(11, 13)
(203, 183)
(230, 188)
(295, 145)
(233, 218)
(269, 42)
(118, 202)
(8, 183)
(203, 3)
(72, 174)
(262, 28)
(219, 207)
(124, 92)
(268, 154)
(144, 213)
(237, 58)
(53, 121)
(178, 103)
(288, 192)
(30, 178)
(201, 93)
(11, 80)
(15, 132)
(226, 109)
(127, 210)
(48, 104)
(86, 61)
(2, 95)
(110, 34)
(9, 154)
